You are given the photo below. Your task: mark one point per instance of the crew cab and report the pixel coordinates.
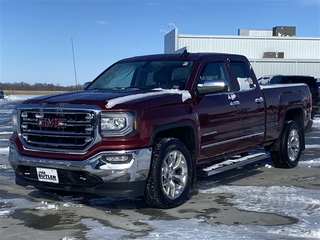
(150, 125)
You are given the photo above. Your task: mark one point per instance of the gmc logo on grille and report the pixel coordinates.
(52, 123)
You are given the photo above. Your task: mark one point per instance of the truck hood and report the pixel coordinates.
(119, 98)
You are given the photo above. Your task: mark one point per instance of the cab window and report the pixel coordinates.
(242, 74)
(215, 71)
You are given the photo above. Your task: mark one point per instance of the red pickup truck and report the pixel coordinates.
(149, 125)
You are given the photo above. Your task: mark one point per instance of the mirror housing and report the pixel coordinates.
(86, 84)
(212, 86)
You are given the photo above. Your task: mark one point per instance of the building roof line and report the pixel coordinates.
(246, 37)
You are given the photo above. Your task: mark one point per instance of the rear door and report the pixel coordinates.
(219, 114)
(251, 102)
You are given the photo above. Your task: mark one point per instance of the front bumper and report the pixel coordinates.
(89, 176)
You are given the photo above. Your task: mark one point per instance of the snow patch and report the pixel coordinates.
(15, 98)
(4, 167)
(5, 133)
(184, 93)
(47, 206)
(311, 146)
(302, 204)
(310, 163)
(100, 231)
(4, 150)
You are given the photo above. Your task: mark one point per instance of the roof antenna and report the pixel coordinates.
(185, 53)
(74, 64)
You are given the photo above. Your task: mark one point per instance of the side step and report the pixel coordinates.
(228, 164)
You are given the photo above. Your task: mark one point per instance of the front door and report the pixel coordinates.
(219, 114)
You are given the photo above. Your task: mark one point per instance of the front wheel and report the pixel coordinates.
(289, 151)
(170, 174)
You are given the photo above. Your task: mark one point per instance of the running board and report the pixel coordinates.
(230, 164)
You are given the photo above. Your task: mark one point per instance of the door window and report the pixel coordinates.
(215, 71)
(242, 74)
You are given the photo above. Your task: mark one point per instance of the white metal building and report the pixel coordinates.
(268, 51)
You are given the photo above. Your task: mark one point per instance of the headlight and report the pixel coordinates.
(14, 121)
(117, 124)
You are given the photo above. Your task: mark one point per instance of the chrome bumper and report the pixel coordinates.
(137, 169)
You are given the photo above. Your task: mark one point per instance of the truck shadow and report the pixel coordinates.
(234, 175)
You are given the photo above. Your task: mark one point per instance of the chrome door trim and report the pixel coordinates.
(231, 140)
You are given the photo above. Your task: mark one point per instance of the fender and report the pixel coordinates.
(192, 143)
(299, 119)
(171, 126)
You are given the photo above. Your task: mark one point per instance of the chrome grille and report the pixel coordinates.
(58, 129)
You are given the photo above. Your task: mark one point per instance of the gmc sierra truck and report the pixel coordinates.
(150, 125)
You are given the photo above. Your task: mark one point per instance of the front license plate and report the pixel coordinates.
(47, 175)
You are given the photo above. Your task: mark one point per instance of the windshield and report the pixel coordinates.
(146, 74)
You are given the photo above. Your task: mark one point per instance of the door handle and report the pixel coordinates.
(259, 100)
(235, 103)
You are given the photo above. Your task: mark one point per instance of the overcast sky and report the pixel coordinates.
(36, 34)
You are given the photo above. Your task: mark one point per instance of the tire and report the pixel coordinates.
(170, 174)
(289, 151)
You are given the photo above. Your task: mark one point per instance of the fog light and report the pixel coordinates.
(116, 158)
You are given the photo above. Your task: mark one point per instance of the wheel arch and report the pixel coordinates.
(187, 134)
(296, 114)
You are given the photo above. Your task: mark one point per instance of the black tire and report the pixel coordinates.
(289, 151)
(170, 174)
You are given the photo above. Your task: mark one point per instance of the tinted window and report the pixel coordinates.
(146, 74)
(240, 69)
(215, 71)
(242, 74)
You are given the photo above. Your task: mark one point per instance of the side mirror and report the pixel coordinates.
(86, 84)
(212, 86)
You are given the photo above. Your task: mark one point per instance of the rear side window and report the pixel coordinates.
(240, 69)
(242, 74)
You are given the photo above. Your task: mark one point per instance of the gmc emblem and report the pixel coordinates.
(52, 123)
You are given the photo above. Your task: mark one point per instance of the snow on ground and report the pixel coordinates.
(4, 150)
(16, 98)
(302, 204)
(299, 203)
(13, 204)
(6, 106)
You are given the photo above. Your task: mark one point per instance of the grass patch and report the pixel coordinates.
(22, 92)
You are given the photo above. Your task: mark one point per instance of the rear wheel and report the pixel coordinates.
(289, 151)
(170, 174)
